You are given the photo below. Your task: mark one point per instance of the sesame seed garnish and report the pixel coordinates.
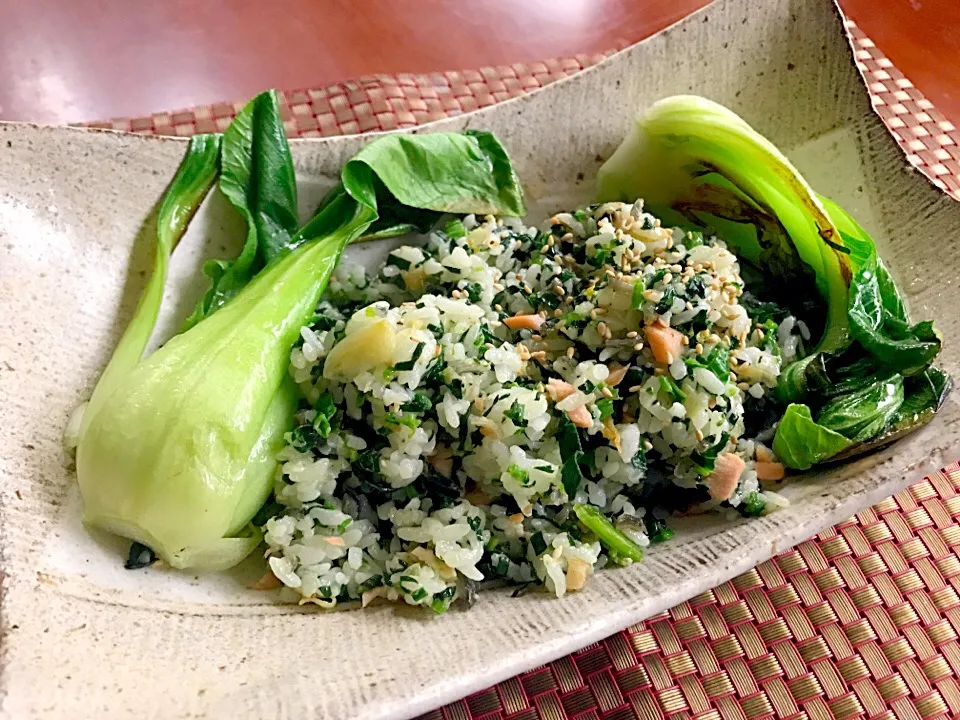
(606, 392)
(632, 334)
(635, 388)
(699, 349)
(498, 307)
(638, 347)
(558, 313)
(571, 351)
(527, 289)
(456, 294)
(699, 435)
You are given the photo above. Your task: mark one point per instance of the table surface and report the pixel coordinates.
(67, 61)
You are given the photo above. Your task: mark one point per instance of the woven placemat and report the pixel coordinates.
(861, 621)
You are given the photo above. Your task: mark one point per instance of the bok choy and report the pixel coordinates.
(176, 451)
(709, 170)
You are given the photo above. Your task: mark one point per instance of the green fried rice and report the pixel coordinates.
(466, 407)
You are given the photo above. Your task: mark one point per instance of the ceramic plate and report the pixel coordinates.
(81, 637)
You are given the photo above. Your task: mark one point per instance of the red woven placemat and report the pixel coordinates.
(860, 622)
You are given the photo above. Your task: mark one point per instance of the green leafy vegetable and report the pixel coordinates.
(571, 452)
(862, 414)
(211, 407)
(516, 415)
(800, 443)
(605, 406)
(716, 361)
(669, 386)
(420, 403)
(923, 396)
(256, 176)
(455, 229)
(752, 505)
(636, 297)
(326, 419)
(611, 538)
(442, 600)
(538, 544)
(705, 461)
(878, 321)
(519, 474)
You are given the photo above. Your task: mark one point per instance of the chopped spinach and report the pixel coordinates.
(442, 600)
(538, 544)
(705, 461)
(398, 261)
(696, 288)
(409, 364)
(419, 404)
(140, 556)
(516, 415)
(455, 229)
(327, 419)
(669, 386)
(752, 505)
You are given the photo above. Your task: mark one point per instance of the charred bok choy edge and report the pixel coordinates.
(177, 451)
(713, 171)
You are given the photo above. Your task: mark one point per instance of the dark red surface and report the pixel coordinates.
(85, 60)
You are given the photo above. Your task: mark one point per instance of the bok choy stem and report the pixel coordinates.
(178, 451)
(193, 180)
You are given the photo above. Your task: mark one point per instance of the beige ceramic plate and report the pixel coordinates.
(83, 638)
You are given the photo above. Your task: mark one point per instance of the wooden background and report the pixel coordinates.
(83, 60)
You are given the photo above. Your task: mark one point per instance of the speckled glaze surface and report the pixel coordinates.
(83, 638)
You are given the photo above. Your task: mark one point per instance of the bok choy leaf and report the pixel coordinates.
(177, 451)
(800, 443)
(256, 176)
